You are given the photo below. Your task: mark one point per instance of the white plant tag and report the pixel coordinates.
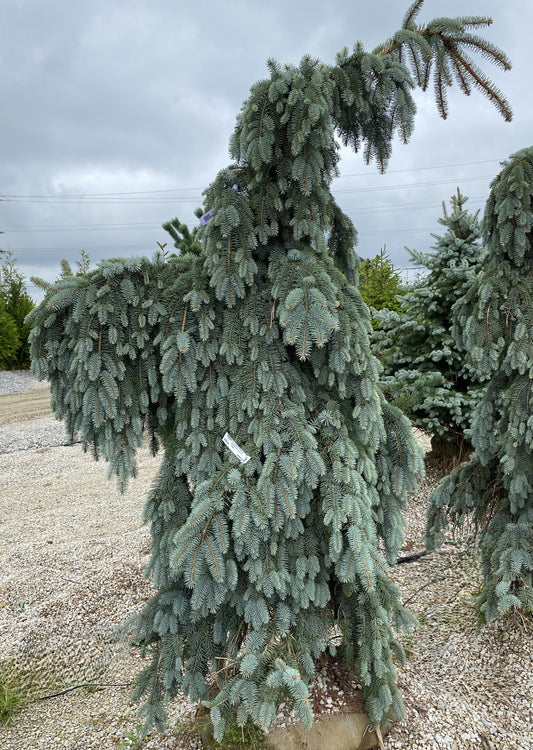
(235, 449)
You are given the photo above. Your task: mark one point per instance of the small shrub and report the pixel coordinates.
(133, 740)
(10, 702)
(247, 737)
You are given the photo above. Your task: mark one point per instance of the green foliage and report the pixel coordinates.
(379, 284)
(133, 739)
(256, 333)
(185, 240)
(9, 339)
(15, 304)
(426, 372)
(10, 702)
(14, 692)
(494, 322)
(83, 265)
(247, 737)
(442, 48)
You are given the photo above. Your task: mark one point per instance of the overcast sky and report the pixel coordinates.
(116, 114)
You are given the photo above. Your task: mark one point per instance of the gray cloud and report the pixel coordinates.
(124, 97)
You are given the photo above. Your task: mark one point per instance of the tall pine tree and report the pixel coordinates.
(494, 488)
(278, 505)
(426, 373)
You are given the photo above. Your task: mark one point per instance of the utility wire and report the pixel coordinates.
(134, 225)
(122, 198)
(90, 247)
(74, 199)
(419, 169)
(409, 186)
(60, 198)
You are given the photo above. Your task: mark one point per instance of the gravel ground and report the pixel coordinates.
(23, 425)
(72, 552)
(25, 435)
(18, 381)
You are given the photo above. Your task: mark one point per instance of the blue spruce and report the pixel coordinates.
(494, 489)
(262, 544)
(426, 371)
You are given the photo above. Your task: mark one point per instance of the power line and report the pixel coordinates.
(420, 169)
(409, 186)
(136, 224)
(402, 206)
(49, 197)
(86, 246)
(121, 198)
(63, 199)
(92, 227)
(66, 199)
(100, 195)
(113, 246)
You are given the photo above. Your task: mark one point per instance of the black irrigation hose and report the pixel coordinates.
(86, 685)
(413, 557)
(417, 555)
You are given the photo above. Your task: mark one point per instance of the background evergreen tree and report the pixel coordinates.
(425, 370)
(185, 239)
(278, 505)
(9, 339)
(16, 304)
(380, 284)
(494, 488)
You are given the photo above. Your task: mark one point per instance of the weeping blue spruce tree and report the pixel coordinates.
(278, 505)
(494, 489)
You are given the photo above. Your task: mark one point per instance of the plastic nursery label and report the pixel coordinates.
(235, 449)
(205, 218)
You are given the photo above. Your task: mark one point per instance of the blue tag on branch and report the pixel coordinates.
(205, 218)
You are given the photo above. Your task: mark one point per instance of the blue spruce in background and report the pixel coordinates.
(426, 371)
(494, 489)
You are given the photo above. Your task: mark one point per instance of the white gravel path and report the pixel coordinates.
(28, 434)
(18, 381)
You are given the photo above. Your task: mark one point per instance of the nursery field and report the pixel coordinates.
(72, 554)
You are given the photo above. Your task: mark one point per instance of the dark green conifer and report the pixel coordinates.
(9, 338)
(494, 489)
(278, 505)
(15, 304)
(426, 372)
